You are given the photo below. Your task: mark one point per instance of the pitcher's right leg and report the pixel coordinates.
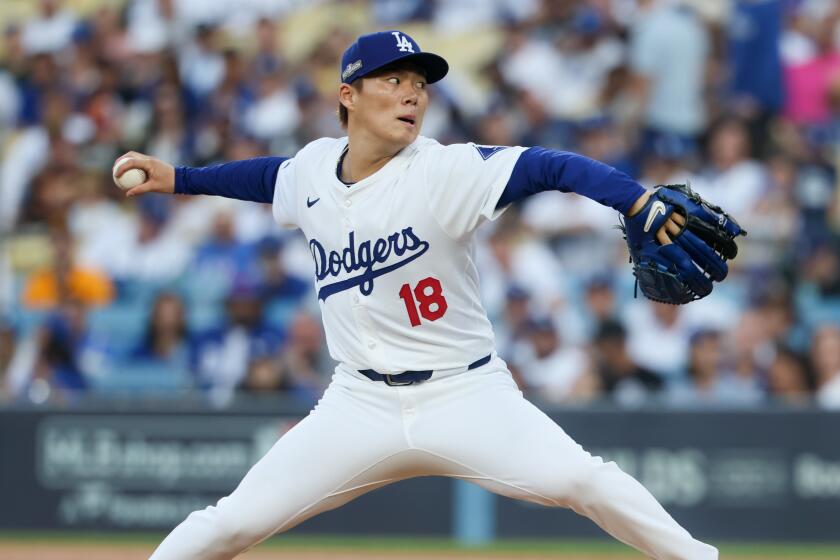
(350, 444)
(494, 437)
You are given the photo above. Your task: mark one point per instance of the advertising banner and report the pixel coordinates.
(739, 475)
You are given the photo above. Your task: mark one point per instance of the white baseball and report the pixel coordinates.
(130, 178)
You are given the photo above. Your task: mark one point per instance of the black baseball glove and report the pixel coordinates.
(681, 271)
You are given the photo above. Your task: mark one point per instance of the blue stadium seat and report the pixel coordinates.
(204, 288)
(815, 309)
(119, 326)
(205, 316)
(279, 313)
(143, 378)
(24, 321)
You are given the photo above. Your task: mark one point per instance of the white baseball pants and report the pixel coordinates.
(472, 425)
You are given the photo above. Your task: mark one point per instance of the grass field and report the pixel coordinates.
(55, 546)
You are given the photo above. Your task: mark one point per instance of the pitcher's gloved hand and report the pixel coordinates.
(679, 244)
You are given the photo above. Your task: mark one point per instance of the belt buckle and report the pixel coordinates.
(389, 380)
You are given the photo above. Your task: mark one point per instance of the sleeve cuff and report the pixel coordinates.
(181, 180)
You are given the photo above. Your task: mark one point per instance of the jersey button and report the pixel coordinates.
(371, 344)
(355, 299)
(348, 203)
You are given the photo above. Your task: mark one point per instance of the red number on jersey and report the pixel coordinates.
(429, 293)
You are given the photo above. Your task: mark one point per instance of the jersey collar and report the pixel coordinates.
(389, 169)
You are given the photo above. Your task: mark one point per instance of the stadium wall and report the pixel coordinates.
(770, 474)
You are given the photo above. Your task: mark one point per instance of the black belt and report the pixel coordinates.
(412, 377)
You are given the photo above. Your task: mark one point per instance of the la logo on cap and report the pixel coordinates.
(402, 42)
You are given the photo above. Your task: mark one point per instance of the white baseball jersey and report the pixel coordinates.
(395, 273)
(398, 288)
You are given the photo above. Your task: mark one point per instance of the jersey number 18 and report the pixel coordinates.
(429, 294)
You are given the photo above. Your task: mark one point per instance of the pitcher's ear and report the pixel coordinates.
(347, 95)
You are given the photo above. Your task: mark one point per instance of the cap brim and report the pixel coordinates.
(435, 66)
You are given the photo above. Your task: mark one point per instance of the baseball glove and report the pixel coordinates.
(681, 271)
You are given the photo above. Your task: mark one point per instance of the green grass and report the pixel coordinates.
(442, 545)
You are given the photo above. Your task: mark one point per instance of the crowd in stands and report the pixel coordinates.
(161, 295)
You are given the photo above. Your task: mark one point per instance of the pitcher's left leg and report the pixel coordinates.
(494, 437)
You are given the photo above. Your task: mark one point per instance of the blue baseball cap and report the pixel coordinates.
(375, 50)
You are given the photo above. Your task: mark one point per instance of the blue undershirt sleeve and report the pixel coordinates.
(539, 169)
(248, 179)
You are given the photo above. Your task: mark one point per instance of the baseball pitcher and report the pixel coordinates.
(418, 390)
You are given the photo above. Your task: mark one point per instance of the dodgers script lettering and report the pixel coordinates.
(363, 257)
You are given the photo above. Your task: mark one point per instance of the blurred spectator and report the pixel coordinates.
(823, 270)
(510, 330)
(668, 52)
(708, 380)
(393, 12)
(733, 179)
(807, 81)
(202, 63)
(516, 257)
(580, 231)
(554, 371)
(106, 33)
(221, 256)
(234, 94)
(153, 25)
(600, 305)
(587, 56)
(825, 357)
(658, 337)
(222, 356)
(64, 280)
(67, 357)
(522, 53)
(268, 57)
(752, 347)
(600, 138)
(577, 61)
(540, 127)
(154, 254)
(755, 65)
(265, 375)
(7, 350)
(621, 379)
(667, 162)
(53, 192)
(26, 155)
(774, 222)
(9, 103)
(275, 113)
(455, 15)
(305, 354)
(779, 317)
(275, 281)
(270, 375)
(101, 228)
(14, 55)
(166, 339)
(169, 138)
(787, 378)
(51, 30)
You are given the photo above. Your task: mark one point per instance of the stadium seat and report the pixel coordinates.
(146, 378)
(119, 327)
